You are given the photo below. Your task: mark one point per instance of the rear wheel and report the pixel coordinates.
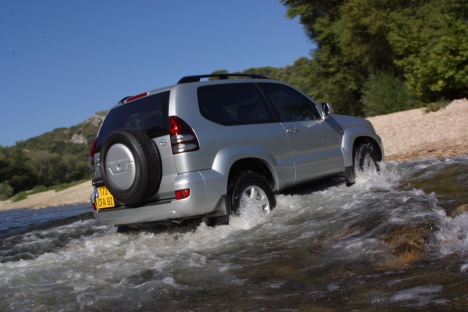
(250, 188)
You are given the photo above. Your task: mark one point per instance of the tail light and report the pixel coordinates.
(182, 194)
(183, 139)
(92, 150)
(135, 97)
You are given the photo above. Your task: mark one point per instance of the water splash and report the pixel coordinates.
(420, 295)
(251, 214)
(386, 178)
(375, 243)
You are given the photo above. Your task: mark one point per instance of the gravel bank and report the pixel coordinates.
(416, 134)
(406, 135)
(74, 195)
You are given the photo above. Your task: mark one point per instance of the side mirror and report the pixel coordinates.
(326, 110)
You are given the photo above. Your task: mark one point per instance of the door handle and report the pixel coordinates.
(292, 130)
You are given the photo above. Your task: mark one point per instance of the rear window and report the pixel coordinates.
(233, 104)
(149, 114)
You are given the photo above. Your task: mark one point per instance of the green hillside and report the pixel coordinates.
(55, 157)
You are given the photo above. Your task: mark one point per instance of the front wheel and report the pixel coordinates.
(250, 188)
(366, 158)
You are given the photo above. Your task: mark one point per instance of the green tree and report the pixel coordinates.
(431, 42)
(383, 93)
(17, 171)
(420, 42)
(6, 191)
(74, 168)
(337, 71)
(297, 74)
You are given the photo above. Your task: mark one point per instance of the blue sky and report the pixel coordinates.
(62, 61)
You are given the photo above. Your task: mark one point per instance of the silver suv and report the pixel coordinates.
(203, 147)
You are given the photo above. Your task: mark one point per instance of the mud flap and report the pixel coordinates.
(348, 173)
(220, 216)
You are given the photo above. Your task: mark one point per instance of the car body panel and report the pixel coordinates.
(293, 152)
(355, 127)
(315, 149)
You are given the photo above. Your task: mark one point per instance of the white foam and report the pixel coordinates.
(385, 179)
(452, 236)
(345, 223)
(422, 295)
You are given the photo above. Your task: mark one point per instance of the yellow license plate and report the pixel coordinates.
(104, 198)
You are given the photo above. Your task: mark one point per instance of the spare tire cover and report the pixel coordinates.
(130, 165)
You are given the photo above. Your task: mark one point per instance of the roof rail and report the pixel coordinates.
(197, 78)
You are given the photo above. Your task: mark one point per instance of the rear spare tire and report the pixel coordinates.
(130, 165)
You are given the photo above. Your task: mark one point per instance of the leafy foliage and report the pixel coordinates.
(435, 106)
(384, 93)
(431, 41)
(6, 191)
(422, 44)
(19, 196)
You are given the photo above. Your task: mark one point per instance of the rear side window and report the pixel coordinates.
(233, 104)
(149, 114)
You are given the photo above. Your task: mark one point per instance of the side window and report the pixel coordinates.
(289, 103)
(233, 104)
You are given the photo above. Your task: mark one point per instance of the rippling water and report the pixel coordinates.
(396, 240)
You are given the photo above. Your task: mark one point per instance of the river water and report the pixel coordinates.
(393, 240)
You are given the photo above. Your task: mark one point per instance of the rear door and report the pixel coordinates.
(315, 143)
(150, 115)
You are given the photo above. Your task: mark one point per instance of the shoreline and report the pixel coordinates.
(415, 134)
(77, 194)
(407, 135)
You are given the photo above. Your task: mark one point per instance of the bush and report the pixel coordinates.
(6, 191)
(63, 186)
(384, 94)
(435, 106)
(39, 189)
(19, 196)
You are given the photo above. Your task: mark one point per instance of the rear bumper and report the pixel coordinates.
(206, 197)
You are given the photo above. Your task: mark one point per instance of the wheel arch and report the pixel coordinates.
(353, 137)
(232, 160)
(252, 164)
(369, 140)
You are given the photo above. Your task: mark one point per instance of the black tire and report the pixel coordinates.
(253, 185)
(366, 157)
(144, 175)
